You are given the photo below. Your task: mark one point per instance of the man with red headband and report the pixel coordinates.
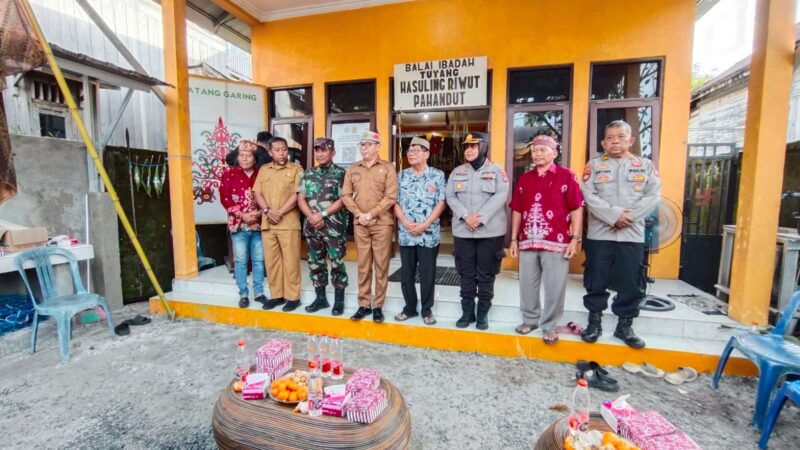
(546, 222)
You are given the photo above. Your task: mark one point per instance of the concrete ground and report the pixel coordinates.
(156, 388)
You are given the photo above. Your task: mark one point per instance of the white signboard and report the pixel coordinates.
(345, 137)
(442, 84)
(221, 114)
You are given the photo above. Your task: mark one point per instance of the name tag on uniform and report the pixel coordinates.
(601, 179)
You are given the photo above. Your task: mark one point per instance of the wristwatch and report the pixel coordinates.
(576, 238)
(368, 216)
(324, 213)
(266, 210)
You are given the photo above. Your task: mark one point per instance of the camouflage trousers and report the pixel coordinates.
(332, 247)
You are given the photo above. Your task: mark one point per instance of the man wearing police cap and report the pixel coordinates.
(420, 202)
(370, 190)
(620, 190)
(319, 198)
(476, 193)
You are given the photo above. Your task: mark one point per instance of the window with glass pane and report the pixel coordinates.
(349, 98)
(533, 123)
(539, 86)
(288, 103)
(297, 135)
(641, 79)
(641, 121)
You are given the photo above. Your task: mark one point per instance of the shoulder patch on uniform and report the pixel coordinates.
(655, 172)
(504, 175)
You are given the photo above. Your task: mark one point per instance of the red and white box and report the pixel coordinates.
(612, 412)
(643, 426)
(674, 441)
(272, 354)
(363, 379)
(334, 405)
(366, 406)
(255, 386)
(278, 371)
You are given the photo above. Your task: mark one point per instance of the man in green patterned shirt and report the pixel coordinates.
(326, 225)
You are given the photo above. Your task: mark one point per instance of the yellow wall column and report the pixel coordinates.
(179, 145)
(762, 165)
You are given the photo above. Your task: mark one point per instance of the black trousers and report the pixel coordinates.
(425, 258)
(618, 264)
(477, 263)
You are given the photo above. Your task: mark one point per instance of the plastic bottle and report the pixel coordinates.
(312, 345)
(242, 360)
(315, 394)
(579, 419)
(335, 354)
(324, 356)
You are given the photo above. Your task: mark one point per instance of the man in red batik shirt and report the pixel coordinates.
(546, 225)
(244, 222)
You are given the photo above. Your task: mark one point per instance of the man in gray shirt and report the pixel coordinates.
(620, 190)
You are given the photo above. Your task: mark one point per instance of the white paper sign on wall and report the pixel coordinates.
(440, 84)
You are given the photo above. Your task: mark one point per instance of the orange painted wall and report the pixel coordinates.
(367, 43)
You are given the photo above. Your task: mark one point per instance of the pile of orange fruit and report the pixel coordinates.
(610, 442)
(291, 388)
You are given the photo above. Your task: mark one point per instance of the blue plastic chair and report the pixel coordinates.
(789, 390)
(774, 356)
(62, 307)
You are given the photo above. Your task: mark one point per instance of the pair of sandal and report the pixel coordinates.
(680, 376)
(548, 338)
(428, 320)
(124, 327)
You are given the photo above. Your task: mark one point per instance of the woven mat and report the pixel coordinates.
(446, 276)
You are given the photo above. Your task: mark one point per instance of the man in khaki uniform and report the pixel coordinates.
(276, 193)
(370, 191)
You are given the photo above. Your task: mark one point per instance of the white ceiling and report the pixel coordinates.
(270, 10)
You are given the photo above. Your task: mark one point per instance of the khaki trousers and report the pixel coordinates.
(282, 255)
(374, 246)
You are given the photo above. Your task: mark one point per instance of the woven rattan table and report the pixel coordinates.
(263, 424)
(553, 437)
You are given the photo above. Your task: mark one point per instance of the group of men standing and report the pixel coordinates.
(619, 190)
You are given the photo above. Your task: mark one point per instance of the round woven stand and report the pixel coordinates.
(260, 424)
(553, 437)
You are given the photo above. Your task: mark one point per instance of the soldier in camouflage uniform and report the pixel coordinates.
(326, 225)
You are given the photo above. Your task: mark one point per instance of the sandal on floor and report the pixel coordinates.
(682, 375)
(550, 340)
(645, 369)
(429, 320)
(402, 317)
(521, 329)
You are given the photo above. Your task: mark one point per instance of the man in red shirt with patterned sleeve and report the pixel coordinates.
(546, 223)
(244, 222)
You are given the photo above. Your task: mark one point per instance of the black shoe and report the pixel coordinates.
(361, 313)
(377, 315)
(595, 328)
(272, 303)
(596, 376)
(482, 317)
(321, 302)
(338, 303)
(291, 305)
(260, 299)
(467, 313)
(244, 302)
(624, 332)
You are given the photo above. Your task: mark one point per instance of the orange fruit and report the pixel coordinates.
(275, 392)
(302, 396)
(282, 385)
(283, 395)
(292, 386)
(293, 397)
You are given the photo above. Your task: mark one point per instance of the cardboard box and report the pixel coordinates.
(17, 237)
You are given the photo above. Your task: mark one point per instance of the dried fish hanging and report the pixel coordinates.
(150, 174)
